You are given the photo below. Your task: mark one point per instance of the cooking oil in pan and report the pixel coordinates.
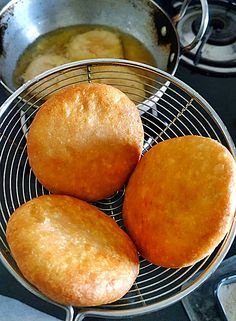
(59, 43)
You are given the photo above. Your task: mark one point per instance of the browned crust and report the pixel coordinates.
(85, 141)
(180, 200)
(71, 251)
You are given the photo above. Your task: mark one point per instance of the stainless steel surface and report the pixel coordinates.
(194, 40)
(179, 111)
(201, 304)
(22, 22)
(227, 280)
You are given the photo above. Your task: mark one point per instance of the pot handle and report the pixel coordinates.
(203, 25)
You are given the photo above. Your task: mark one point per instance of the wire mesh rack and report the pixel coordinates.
(168, 108)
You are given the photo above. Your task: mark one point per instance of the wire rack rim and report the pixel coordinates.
(228, 241)
(128, 63)
(136, 310)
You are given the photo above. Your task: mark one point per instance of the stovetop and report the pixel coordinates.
(217, 90)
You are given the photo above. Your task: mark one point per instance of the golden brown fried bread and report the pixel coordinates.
(180, 200)
(85, 141)
(71, 251)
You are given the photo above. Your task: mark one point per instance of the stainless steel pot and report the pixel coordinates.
(22, 22)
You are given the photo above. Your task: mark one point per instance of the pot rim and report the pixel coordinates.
(176, 51)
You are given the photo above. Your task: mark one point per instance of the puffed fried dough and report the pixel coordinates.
(180, 200)
(71, 251)
(95, 44)
(42, 63)
(85, 141)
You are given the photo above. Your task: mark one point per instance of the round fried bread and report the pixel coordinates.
(95, 44)
(71, 251)
(180, 200)
(85, 141)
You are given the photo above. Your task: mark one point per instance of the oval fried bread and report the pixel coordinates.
(85, 141)
(71, 251)
(180, 200)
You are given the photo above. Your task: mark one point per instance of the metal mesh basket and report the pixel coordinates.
(168, 108)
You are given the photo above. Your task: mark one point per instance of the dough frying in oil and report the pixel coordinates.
(91, 44)
(95, 44)
(42, 63)
(46, 88)
(122, 78)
